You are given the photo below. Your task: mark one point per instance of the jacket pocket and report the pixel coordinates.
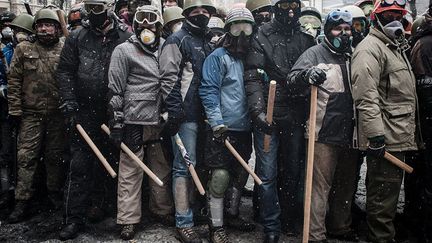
(399, 124)
(30, 61)
(142, 107)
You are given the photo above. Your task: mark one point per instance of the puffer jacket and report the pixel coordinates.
(335, 109)
(32, 86)
(384, 93)
(82, 73)
(222, 91)
(134, 82)
(273, 53)
(181, 62)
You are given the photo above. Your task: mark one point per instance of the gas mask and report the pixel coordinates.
(340, 43)
(237, 40)
(394, 30)
(21, 36)
(7, 33)
(287, 13)
(147, 37)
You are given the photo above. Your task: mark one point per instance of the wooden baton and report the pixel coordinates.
(398, 163)
(61, 17)
(242, 162)
(96, 150)
(135, 158)
(310, 163)
(269, 116)
(189, 164)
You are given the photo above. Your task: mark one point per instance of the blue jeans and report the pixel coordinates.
(188, 133)
(266, 169)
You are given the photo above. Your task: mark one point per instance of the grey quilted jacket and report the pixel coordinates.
(134, 82)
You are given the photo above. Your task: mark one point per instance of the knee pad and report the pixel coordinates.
(219, 182)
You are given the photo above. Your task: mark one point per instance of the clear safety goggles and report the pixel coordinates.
(312, 20)
(95, 8)
(288, 5)
(148, 17)
(338, 15)
(386, 3)
(237, 28)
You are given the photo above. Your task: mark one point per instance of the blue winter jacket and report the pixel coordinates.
(223, 93)
(8, 51)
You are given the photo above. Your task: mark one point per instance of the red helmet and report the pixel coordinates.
(382, 6)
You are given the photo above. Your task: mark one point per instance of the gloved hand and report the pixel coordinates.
(116, 125)
(172, 125)
(261, 123)
(3, 91)
(70, 111)
(15, 121)
(315, 76)
(220, 134)
(377, 147)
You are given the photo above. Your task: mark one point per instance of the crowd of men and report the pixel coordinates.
(180, 85)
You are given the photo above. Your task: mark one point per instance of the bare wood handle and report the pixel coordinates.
(269, 116)
(137, 160)
(398, 163)
(188, 161)
(61, 17)
(310, 163)
(242, 162)
(96, 150)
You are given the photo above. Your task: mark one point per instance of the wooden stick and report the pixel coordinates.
(135, 158)
(61, 17)
(96, 151)
(398, 163)
(242, 162)
(189, 163)
(270, 106)
(310, 163)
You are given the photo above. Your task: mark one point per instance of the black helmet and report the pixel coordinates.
(7, 16)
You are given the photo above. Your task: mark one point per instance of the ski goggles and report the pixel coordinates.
(386, 3)
(288, 5)
(312, 20)
(237, 28)
(146, 16)
(341, 15)
(95, 8)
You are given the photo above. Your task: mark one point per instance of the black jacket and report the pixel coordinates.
(84, 62)
(274, 51)
(180, 63)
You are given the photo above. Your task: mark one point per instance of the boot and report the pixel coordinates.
(188, 235)
(127, 232)
(271, 238)
(232, 204)
(19, 213)
(218, 235)
(70, 231)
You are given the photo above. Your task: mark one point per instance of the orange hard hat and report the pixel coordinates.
(380, 7)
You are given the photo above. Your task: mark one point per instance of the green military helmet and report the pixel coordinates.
(24, 21)
(416, 24)
(216, 23)
(171, 14)
(239, 14)
(254, 5)
(188, 5)
(45, 13)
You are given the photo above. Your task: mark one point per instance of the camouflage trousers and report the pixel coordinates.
(40, 140)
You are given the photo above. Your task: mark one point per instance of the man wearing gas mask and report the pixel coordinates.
(384, 91)
(275, 48)
(6, 18)
(335, 165)
(360, 26)
(261, 10)
(181, 61)
(34, 108)
(82, 75)
(222, 89)
(134, 73)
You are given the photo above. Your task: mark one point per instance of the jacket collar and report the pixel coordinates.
(381, 36)
(134, 39)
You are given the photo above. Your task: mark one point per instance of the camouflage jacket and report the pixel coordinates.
(32, 84)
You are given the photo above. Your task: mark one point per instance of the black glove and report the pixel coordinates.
(172, 125)
(261, 123)
(70, 111)
(377, 147)
(116, 125)
(220, 135)
(315, 76)
(14, 121)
